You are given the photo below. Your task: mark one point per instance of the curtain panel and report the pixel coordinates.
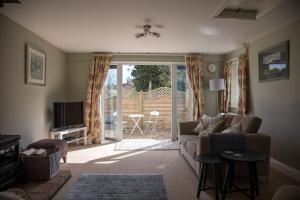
(195, 75)
(226, 93)
(98, 70)
(242, 81)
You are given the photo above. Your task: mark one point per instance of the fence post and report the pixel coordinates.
(141, 94)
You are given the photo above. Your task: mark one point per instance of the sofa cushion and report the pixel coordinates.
(250, 124)
(233, 129)
(235, 119)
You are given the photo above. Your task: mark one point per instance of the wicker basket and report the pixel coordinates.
(41, 168)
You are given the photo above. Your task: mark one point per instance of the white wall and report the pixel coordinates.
(278, 102)
(27, 109)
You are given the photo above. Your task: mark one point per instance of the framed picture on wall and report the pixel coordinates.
(274, 62)
(35, 72)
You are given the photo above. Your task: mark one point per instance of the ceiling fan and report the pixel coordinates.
(2, 2)
(147, 32)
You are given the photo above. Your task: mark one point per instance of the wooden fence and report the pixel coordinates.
(159, 99)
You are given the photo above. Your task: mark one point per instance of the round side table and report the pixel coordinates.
(244, 156)
(214, 162)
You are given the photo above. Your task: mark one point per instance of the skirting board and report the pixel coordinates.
(285, 169)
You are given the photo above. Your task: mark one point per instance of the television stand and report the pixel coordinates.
(60, 135)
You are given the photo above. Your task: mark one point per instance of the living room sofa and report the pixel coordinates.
(192, 144)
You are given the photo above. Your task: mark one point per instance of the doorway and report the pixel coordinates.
(144, 101)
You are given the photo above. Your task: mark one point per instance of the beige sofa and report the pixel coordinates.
(192, 145)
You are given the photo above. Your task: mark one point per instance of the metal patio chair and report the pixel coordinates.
(152, 122)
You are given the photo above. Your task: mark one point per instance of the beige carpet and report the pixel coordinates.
(180, 180)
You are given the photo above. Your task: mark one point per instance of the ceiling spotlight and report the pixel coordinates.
(147, 33)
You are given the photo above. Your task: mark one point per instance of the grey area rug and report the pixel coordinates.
(118, 187)
(146, 144)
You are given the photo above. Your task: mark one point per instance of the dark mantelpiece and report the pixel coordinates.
(10, 163)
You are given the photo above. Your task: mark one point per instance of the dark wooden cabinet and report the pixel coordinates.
(10, 162)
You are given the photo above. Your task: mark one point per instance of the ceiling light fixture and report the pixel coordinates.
(147, 33)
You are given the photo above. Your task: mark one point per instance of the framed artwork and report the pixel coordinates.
(35, 66)
(274, 62)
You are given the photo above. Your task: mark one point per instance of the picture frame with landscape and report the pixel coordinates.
(35, 66)
(274, 62)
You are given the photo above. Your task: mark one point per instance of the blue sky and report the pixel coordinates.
(127, 72)
(112, 75)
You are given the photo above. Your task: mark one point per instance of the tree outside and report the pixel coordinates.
(147, 77)
(181, 78)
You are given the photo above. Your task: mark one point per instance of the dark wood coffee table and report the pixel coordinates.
(244, 156)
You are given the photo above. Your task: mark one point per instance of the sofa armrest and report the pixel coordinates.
(258, 142)
(203, 144)
(186, 128)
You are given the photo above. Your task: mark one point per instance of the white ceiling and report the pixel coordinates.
(110, 25)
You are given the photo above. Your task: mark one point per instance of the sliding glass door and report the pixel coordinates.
(138, 101)
(109, 104)
(146, 101)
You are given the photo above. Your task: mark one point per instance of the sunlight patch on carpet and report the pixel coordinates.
(146, 144)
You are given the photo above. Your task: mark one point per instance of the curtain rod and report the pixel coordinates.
(149, 54)
(233, 59)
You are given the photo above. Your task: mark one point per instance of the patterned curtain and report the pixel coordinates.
(226, 94)
(195, 74)
(242, 80)
(99, 67)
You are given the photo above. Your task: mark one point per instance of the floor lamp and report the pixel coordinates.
(216, 85)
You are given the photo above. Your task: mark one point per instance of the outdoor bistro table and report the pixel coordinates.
(136, 119)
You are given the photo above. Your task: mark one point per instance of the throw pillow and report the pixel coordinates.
(204, 132)
(200, 127)
(233, 129)
(210, 123)
(216, 127)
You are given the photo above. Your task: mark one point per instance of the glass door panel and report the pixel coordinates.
(146, 89)
(182, 95)
(110, 103)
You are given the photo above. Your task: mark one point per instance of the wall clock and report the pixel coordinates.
(211, 68)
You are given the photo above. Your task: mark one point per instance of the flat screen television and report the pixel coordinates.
(68, 114)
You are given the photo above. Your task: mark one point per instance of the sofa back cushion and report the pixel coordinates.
(248, 124)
